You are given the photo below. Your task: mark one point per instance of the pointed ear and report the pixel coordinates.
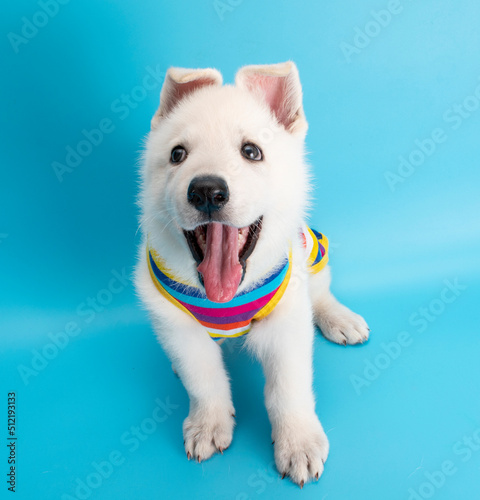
(180, 82)
(279, 86)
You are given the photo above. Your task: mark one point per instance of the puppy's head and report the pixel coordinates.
(224, 182)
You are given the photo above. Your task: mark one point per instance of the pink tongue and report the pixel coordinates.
(220, 267)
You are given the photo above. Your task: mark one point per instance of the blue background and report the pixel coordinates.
(393, 248)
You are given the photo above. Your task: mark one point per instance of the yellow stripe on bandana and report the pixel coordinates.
(233, 318)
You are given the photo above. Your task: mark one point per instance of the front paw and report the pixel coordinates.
(208, 429)
(301, 449)
(341, 325)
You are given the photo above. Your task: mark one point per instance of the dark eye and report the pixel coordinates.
(178, 154)
(251, 152)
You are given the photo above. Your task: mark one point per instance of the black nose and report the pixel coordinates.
(208, 193)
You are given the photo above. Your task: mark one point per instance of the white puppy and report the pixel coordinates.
(226, 252)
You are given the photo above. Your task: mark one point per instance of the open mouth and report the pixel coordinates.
(221, 253)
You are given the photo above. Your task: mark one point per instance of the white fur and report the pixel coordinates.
(212, 121)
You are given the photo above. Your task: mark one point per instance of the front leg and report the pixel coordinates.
(283, 342)
(336, 321)
(199, 364)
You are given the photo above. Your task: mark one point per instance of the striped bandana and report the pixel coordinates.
(234, 318)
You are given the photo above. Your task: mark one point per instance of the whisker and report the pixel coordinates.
(167, 224)
(143, 221)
